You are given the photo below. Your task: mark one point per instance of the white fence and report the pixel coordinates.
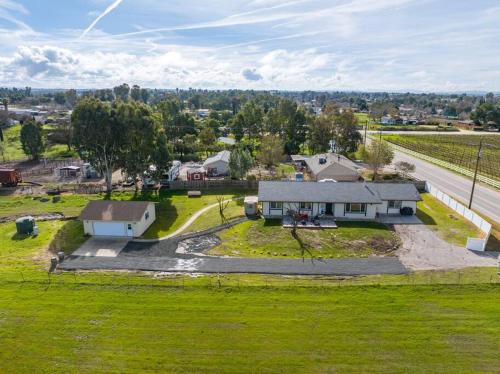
(476, 244)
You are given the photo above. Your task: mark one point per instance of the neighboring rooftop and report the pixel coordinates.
(109, 210)
(221, 156)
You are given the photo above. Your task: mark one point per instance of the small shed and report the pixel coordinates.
(251, 205)
(117, 218)
(69, 171)
(197, 174)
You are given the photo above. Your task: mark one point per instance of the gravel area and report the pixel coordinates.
(422, 249)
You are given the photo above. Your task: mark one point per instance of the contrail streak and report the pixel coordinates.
(103, 14)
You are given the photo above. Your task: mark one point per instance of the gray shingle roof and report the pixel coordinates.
(221, 156)
(341, 192)
(396, 191)
(108, 210)
(315, 192)
(331, 159)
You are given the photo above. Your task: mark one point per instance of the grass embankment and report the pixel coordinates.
(267, 238)
(95, 328)
(448, 224)
(14, 151)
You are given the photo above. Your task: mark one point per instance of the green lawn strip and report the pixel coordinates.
(448, 224)
(212, 218)
(69, 205)
(73, 328)
(263, 238)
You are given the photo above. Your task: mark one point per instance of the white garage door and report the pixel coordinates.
(109, 228)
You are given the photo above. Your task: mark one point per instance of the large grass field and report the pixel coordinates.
(267, 238)
(460, 150)
(449, 225)
(14, 151)
(69, 327)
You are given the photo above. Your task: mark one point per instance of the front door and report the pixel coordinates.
(329, 209)
(130, 232)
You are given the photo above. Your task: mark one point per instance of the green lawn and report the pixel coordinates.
(94, 328)
(448, 224)
(212, 218)
(263, 238)
(362, 118)
(14, 151)
(23, 253)
(173, 208)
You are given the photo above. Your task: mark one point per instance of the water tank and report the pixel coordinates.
(25, 225)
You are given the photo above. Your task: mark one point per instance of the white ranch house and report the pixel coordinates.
(342, 200)
(117, 218)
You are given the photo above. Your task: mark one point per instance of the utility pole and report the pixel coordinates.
(475, 171)
(366, 127)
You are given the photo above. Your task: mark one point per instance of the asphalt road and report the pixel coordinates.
(356, 266)
(486, 200)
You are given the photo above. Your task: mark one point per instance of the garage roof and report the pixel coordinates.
(108, 210)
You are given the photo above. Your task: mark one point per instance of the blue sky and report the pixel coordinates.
(393, 45)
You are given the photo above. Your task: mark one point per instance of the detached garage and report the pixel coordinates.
(117, 218)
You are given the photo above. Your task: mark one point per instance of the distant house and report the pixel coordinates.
(202, 113)
(226, 140)
(343, 200)
(117, 218)
(387, 120)
(218, 164)
(329, 166)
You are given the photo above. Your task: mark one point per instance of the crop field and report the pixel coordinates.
(460, 150)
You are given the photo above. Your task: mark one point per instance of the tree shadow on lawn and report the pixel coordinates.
(425, 218)
(68, 238)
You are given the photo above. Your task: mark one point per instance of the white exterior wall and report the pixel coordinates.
(317, 208)
(222, 167)
(371, 210)
(382, 208)
(138, 228)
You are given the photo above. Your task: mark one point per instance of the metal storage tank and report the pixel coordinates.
(25, 225)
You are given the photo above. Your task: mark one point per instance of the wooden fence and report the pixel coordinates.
(207, 184)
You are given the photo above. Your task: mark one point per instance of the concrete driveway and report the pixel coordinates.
(101, 247)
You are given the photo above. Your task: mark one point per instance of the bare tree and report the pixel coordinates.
(223, 204)
(295, 218)
(404, 168)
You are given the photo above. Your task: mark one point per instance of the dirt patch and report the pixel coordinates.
(198, 245)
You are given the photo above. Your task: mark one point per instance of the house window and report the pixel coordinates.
(276, 205)
(129, 226)
(355, 208)
(146, 215)
(306, 206)
(394, 204)
(196, 176)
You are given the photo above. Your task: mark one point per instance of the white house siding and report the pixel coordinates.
(222, 167)
(382, 208)
(317, 208)
(138, 228)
